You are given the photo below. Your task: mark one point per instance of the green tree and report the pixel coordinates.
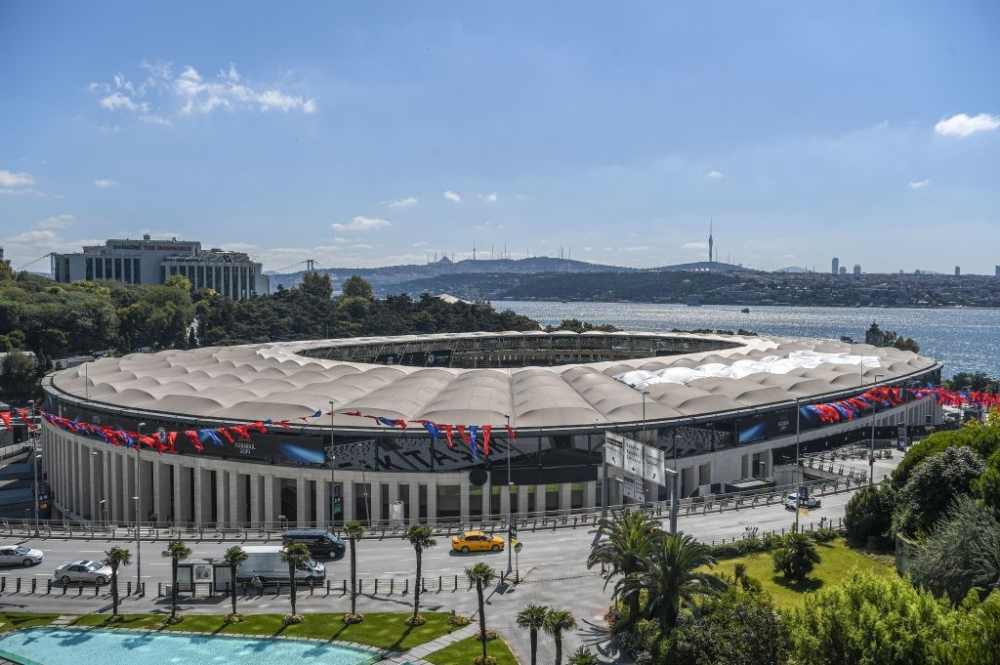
(624, 540)
(961, 552)
(420, 538)
(115, 557)
(583, 656)
(870, 619)
(933, 486)
(978, 634)
(868, 518)
(176, 551)
(482, 576)
(532, 619)
(357, 287)
(18, 377)
(988, 484)
(670, 576)
(296, 556)
(736, 628)
(556, 622)
(796, 556)
(233, 557)
(354, 531)
(982, 437)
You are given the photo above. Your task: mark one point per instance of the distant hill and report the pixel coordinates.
(383, 278)
(704, 266)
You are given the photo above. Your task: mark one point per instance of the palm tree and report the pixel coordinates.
(295, 555)
(176, 551)
(234, 556)
(532, 617)
(420, 537)
(354, 530)
(556, 621)
(482, 576)
(583, 656)
(670, 575)
(796, 557)
(116, 556)
(624, 541)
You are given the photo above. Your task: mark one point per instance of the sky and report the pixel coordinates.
(370, 133)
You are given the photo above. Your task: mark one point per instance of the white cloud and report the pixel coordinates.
(919, 184)
(153, 119)
(407, 202)
(13, 179)
(105, 183)
(55, 222)
(360, 246)
(489, 198)
(454, 197)
(162, 94)
(420, 243)
(715, 175)
(361, 224)
(699, 244)
(963, 125)
(34, 237)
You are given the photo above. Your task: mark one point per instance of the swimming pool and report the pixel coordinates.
(60, 646)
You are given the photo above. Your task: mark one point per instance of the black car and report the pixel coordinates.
(319, 541)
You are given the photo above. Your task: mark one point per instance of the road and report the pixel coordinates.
(552, 565)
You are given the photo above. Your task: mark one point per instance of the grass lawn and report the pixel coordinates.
(15, 620)
(836, 562)
(383, 630)
(465, 651)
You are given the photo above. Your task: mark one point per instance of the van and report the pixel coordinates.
(321, 543)
(265, 562)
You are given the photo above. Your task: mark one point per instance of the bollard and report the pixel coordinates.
(376, 586)
(3, 584)
(65, 588)
(343, 587)
(456, 583)
(392, 585)
(79, 590)
(17, 589)
(440, 583)
(128, 588)
(361, 586)
(96, 590)
(159, 589)
(328, 587)
(34, 585)
(48, 586)
(406, 586)
(311, 587)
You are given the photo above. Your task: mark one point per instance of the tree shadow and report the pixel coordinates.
(798, 586)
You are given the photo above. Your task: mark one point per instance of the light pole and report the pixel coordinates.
(138, 508)
(29, 426)
(333, 463)
(798, 464)
(871, 449)
(510, 488)
(104, 511)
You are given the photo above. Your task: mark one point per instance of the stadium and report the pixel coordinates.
(464, 426)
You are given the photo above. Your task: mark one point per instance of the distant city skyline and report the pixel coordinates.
(381, 133)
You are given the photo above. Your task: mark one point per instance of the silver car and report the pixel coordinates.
(19, 555)
(97, 572)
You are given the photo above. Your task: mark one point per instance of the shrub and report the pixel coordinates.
(868, 519)
(933, 486)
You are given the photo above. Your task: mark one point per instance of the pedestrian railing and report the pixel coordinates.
(34, 586)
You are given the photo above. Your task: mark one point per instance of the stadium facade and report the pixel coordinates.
(722, 408)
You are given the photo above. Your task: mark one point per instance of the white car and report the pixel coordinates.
(83, 571)
(792, 502)
(20, 555)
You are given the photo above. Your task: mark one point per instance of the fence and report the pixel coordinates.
(50, 587)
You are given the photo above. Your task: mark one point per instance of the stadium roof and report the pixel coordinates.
(254, 382)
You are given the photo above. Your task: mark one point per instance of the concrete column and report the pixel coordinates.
(182, 494)
(487, 499)
(393, 491)
(221, 496)
(160, 485)
(125, 470)
(590, 494)
(375, 495)
(201, 501)
(270, 517)
(300, 501)
(114, 495)
(256, 501)
(432, 502)
(504, 501)
(414, 502)
(322, 502)
(463, 500)
(540, 503)
(347, 497)
(565, 496)
(237, 499)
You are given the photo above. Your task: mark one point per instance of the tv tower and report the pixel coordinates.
(711, 242)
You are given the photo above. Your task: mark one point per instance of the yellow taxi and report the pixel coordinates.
(476, 541)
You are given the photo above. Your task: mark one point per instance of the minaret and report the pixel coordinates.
(711, 242)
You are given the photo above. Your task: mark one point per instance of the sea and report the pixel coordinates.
(965, 340)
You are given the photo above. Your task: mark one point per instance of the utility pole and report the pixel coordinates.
(798, 465)
(333, 464)
(871, 449)
(138, 509)
(510, 511)
(29, 426)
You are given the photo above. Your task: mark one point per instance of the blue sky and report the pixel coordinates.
(370, 133)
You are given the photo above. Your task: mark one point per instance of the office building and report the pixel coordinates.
(996, 271)
(958, 271)
(232, 274)
(843, 270)
(835, 266)
(857, 269)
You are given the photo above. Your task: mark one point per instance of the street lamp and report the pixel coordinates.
(104, 511)
(798, 464)
(510, 511)
(871, 450)
(332, 459)
(33, 433)
(138, 508)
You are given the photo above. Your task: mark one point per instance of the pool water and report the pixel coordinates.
(58, 646)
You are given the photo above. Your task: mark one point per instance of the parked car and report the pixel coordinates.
(319, 541)
(265, 562)
(476, 541)
(792, 502)
(84, 570)
(20, 555)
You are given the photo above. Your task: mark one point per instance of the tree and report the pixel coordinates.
(988, 484)
(736, 628)
(296, 556)
(983, 438)
(18, 376)
(868, 517)
(933, 486)
(357, 287)
(354, 531)
(961, 552)
(532, 618)
(670, 576)
(557, 621)
(583, 656)
(975, 641)
(176, 551)
(115, 557)
(624, 540)
(796, 556)
(420, 538)
(870, 619)
(482, 576)
(234, 556)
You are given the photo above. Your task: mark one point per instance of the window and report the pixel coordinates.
(118, 269)
(100, 269)
(128, 270)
